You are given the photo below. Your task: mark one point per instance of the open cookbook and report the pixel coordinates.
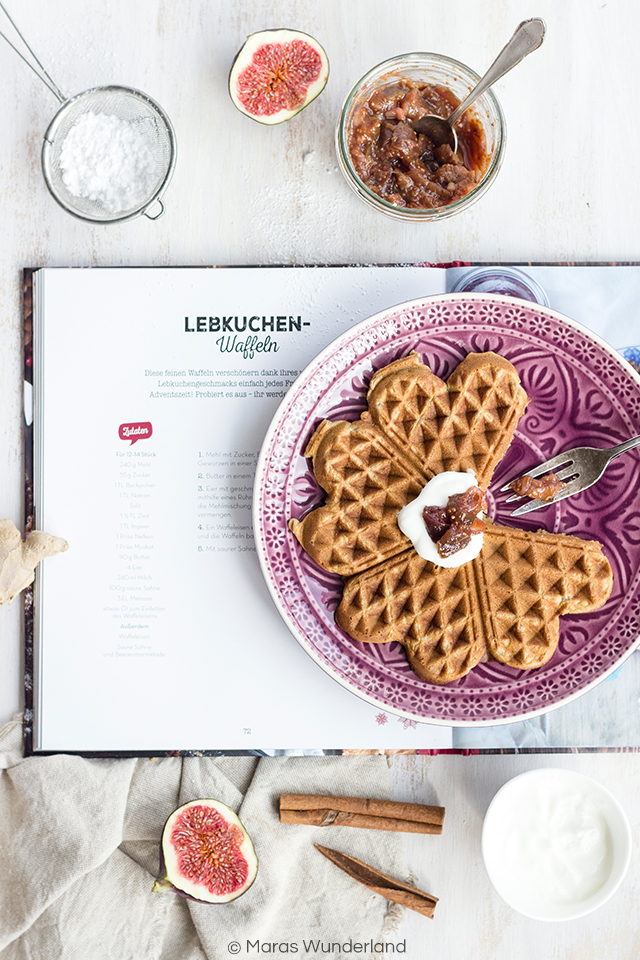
(148, 395)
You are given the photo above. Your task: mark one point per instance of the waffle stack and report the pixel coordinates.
(503, 605)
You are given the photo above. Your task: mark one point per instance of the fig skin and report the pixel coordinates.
(166, 881)
(245, 56)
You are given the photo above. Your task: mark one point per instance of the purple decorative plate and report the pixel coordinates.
(582, 393)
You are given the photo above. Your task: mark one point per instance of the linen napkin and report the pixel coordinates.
(79, 851)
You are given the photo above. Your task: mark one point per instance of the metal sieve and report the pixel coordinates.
(123, 103)
(145, 116)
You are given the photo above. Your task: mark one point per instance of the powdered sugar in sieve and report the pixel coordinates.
(109, 161)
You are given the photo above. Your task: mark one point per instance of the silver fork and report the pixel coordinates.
(582, 467)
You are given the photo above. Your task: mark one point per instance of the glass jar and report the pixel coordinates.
(507, 281)
(440, 71)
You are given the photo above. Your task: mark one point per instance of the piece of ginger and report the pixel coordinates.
(18, 558)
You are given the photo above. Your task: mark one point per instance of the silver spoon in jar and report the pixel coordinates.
(527, 37)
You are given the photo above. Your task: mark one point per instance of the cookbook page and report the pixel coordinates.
(153, 391)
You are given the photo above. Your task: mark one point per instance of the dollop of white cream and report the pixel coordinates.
(436, 493)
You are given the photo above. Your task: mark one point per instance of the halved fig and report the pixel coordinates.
(276, 74)
(206, 854)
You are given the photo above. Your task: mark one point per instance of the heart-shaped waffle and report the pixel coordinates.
(504, 604)
(416, 425)
(465, 423)
(368, 480)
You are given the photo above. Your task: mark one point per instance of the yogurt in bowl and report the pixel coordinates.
(556, 844)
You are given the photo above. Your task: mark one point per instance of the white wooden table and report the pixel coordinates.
(470, 919)
(244, 193)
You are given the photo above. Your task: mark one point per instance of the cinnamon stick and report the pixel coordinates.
(378, 882)
(321, 810)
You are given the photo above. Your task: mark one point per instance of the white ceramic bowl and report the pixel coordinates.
(556, 844)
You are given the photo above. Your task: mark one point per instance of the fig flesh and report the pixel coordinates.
(206, 854)
(276, 74)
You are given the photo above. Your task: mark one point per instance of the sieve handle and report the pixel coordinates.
(159, 214)
(41, 73)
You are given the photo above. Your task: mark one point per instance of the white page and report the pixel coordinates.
(153, 638)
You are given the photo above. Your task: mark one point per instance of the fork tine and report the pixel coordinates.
(541, 469)
(567, 473)
(563, 475)
(573, 487)
(561, 460)
(530, 507)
